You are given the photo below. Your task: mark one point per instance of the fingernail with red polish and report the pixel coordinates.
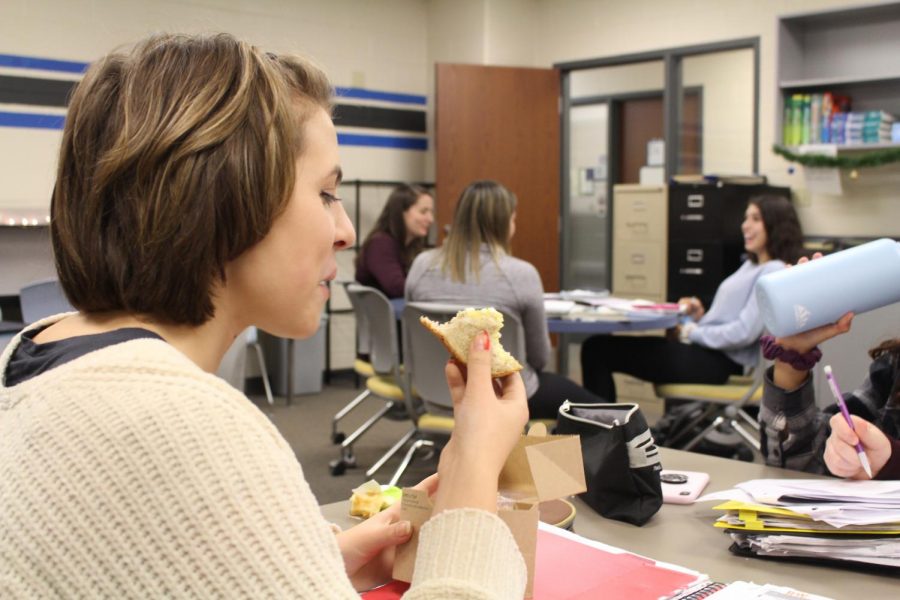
(485, 340)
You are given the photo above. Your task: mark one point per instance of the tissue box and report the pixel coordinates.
(540, 467)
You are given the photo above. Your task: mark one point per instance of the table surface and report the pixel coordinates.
(684, 535)
(603, 326)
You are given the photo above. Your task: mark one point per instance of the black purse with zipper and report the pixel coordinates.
(621, 460)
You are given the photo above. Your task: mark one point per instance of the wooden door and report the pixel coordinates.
(502, 123)
(641, 120)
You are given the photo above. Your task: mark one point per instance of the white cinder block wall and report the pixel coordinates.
(392, 45)
(379, 45)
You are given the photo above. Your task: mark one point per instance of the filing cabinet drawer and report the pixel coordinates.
(695, 269)
(639, 268)
(640, 213)
(695, 212)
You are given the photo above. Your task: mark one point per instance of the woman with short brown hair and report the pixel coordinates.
(196, 196)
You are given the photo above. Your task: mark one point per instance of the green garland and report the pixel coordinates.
(872, 158)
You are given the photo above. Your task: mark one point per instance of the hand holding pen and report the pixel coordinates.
(853, 441)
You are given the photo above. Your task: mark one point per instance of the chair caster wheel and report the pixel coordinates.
(337, 467)
(338, 437)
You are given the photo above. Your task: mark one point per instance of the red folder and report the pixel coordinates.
(573, 568)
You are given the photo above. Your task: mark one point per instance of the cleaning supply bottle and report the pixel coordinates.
(821, 291)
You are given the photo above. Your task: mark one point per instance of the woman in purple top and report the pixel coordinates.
(395, 240)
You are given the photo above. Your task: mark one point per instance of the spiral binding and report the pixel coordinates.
(705, 592)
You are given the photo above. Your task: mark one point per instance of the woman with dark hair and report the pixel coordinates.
(795, 434)
(713, 345)
(475, 267)
(196, 195)
(398, 236)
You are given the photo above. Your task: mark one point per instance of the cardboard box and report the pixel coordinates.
(540, 467)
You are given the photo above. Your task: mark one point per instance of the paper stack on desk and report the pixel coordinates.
(592, 306)
(814, 519)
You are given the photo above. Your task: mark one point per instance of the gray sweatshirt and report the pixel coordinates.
(510, 284)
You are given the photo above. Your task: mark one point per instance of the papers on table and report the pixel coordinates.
(743, 590)
(584, 305)
(834, 519)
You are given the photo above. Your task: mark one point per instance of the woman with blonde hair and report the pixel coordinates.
(475, 267)
(196, 195)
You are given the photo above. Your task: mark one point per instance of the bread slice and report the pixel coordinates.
(457, 334)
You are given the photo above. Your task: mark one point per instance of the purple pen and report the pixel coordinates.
(863, 459)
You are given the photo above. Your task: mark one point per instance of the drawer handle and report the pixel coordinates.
(636, 225)
(694, 255)
(639, 205)
(695, 201)
(691, 217)
(691, 271)
(635, 278)
(638, 259)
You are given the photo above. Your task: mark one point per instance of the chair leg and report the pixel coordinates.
(367, 425)
(408, 459)
(261, 361)
(390, 453)
(707, 412)
(750, 420)
(336, 436)
(699, 437)
(752, 441)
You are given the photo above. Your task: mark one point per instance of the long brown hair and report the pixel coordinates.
(784, 236)
(176, 157)
(482, 216)
(391, 222)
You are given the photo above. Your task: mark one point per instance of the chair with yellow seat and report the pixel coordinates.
(725, 405)
(362, 368)
(378, 325)
(424, 368)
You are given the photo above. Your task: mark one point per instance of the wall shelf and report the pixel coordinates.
(851, 51)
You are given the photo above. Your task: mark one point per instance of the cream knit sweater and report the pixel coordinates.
(132, 473)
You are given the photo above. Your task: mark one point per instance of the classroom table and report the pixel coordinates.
(571, 331)
(684, 535)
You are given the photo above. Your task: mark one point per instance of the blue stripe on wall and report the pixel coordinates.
(380, 141)
(31, 120)
(349, 92)
(70, 66)
(39, 121)
(42, 64)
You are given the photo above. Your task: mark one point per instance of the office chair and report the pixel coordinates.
(725, 404)
(44, 298)
(233, 366)
(432, 406)
(362, 368)
(375, 314)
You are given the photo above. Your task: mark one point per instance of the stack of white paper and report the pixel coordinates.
(844, 520)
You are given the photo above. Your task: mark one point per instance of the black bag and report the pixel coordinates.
(621, 461)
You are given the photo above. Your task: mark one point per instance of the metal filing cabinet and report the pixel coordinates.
(678, 240)
(639, 242)
(705, 243)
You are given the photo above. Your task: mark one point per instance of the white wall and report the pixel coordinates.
(727, 82)
(375, 45)
(581, 29)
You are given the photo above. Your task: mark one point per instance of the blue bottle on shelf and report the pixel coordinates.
(821, 291)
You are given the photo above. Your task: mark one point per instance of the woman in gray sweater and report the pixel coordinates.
(474, 267)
